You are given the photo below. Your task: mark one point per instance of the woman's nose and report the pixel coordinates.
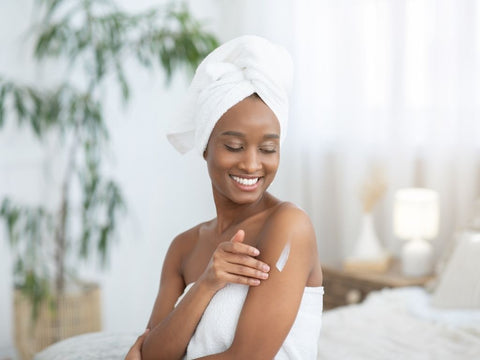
(250, 162)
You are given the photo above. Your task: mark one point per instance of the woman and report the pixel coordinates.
(247, 284)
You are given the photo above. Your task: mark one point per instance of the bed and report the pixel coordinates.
(411, 323)
(402, 323)
(389, 324)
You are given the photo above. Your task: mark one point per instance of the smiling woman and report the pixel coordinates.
(243, 151)
(221, 294)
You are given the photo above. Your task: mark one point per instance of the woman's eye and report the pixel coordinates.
(269, 150)
(233, 148)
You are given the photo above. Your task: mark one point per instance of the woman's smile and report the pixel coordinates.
(243, 151)
(246, 183)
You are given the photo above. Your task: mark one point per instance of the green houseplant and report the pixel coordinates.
(93, 38)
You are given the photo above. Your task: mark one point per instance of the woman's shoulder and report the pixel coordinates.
(187, 239)
(289, 237)
(289, 222)
(288, 215)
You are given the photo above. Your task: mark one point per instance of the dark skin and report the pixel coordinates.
(241, 245)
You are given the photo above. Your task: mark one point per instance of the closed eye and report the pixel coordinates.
(268, 151)
(233, 149)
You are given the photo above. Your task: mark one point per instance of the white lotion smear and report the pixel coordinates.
(282, 260)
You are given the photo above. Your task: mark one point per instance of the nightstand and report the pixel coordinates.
(345, 287)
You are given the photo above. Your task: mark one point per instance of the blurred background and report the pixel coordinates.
(385, 91)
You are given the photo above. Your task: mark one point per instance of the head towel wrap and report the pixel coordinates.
(235, 70)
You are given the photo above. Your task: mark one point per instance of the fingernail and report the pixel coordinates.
(266, 268)
(256, 252)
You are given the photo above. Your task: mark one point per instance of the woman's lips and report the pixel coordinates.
(246, 183)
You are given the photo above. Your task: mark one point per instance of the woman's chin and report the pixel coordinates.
(245, 198)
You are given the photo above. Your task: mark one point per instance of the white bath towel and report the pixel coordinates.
(216, 329)
(235, 70)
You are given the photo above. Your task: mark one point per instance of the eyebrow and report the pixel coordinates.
(242, 135)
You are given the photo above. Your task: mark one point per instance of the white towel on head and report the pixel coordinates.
(235, 70)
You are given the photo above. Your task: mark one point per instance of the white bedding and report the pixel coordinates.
(399, 324)
(389, 324)
(91, 346)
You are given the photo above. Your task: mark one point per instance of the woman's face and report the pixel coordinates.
(243, 151)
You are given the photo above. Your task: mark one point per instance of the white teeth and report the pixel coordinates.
(248, 182)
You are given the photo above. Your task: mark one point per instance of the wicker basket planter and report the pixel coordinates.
(79, 313)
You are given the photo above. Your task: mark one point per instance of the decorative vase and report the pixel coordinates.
(368, 245)
(368, 254)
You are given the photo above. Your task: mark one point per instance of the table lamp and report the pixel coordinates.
(415, 218)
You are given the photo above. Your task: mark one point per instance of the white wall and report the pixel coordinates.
(22, 160)
(165, 192)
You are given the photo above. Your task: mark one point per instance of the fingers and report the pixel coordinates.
(235, 262)
(135, 352)
(247, 272)
(246, 261)
(238, 279)
(238, 266)
(235, 246)
(239, 236)
(141, 339)
(242, 254)
(246, 267)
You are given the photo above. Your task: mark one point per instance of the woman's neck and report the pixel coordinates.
(230, 213)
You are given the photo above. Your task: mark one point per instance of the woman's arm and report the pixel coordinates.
(271, 308)
(172, 327)
(135, 352)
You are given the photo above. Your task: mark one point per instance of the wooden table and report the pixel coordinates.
(345, 287)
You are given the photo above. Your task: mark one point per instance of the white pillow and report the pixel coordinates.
(459, 284)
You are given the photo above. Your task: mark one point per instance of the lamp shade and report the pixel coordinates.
(416, 213)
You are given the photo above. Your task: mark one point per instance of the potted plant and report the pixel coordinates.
(93, 38)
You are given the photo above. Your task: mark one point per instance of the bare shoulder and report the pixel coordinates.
(185, 241)
(179, 249)
(288, 226)
(292, 221)
(287, 211)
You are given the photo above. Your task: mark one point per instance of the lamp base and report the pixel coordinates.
(417, 258)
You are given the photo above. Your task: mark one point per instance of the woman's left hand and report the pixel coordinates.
(135, 352)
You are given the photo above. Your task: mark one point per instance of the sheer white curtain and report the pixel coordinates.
(378, 83)
(383, 83)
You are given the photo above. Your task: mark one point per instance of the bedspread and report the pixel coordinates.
(399, 324)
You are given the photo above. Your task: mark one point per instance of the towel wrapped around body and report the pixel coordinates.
(216, 329)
